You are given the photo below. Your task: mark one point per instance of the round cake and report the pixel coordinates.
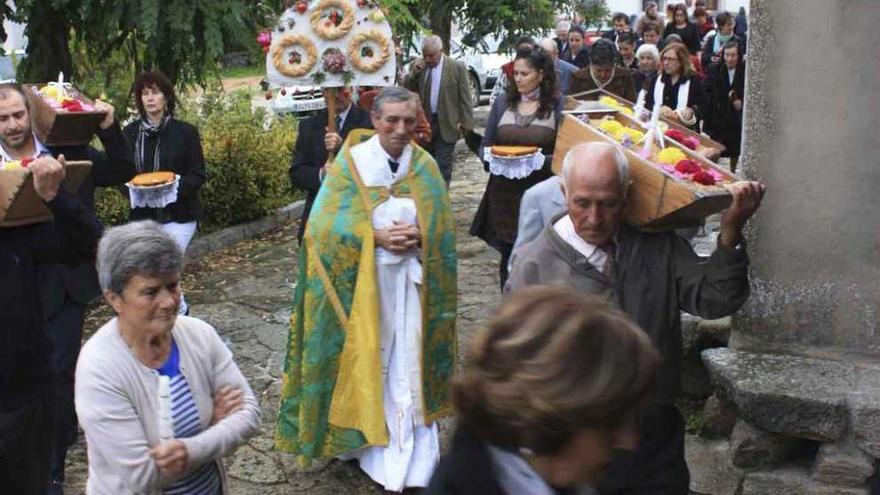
(151, 179)
(513, 151)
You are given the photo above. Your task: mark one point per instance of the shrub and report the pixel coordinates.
(247, 156)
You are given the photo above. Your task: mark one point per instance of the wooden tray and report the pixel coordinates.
(710, 148)
(657, 200)
(61, 128)
(19, 202)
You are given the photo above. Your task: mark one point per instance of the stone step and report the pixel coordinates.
(801, 396)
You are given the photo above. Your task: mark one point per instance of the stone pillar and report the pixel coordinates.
(804, 358)
(812, 135)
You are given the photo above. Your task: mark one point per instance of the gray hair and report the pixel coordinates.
(393, 94)
(432, 43)
(137, 248)
(568, 163)
(549, 45)
(648, 50)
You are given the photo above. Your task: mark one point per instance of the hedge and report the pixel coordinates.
(247, 156)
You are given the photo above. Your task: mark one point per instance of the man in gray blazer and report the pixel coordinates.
(563, 68)
(443, 86)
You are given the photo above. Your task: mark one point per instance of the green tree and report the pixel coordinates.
(182, 38)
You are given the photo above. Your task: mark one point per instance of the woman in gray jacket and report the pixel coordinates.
(158, 395)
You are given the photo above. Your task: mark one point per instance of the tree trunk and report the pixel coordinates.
(48, 51)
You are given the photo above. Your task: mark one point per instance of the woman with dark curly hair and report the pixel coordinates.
(554, 384)
(528, 116)
(161, 142)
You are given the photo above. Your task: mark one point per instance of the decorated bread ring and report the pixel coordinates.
(361, 55)
(330, 27)
(294, 65)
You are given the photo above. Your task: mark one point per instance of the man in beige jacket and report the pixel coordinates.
(442, 84)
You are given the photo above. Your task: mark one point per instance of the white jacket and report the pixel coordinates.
(117, 405)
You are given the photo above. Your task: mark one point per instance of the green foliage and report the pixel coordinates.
(247, 160)
(593, 12)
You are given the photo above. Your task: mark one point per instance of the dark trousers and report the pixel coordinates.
(658, 466)
(441, 150)
(26, 437)
(506, 250)
(65, 333)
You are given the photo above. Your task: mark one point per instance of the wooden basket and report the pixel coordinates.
(708, 147)
(55, 128)
(657, 200)
(19, 202)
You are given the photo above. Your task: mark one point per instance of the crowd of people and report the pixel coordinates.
(570, 388)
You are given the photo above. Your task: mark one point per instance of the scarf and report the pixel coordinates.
(683, 90)
(600, 85)
(532, 96)
(146, 130)
(720, 40)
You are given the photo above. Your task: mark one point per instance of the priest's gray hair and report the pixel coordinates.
(138, 248)
(393, 94)
(432, 43)
(577, 152)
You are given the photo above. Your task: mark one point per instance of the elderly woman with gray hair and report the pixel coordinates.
(158, 394)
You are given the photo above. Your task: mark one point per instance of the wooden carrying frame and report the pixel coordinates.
(657, 200)
(55, 128)
(19, 202)
(708, 147)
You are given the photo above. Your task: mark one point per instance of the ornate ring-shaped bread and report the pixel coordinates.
(372, 63)
(327, 28)
(298, 68)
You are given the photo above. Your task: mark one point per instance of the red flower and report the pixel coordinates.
(26, 161)
(704, 178)
(675, 134)
(72, 105)
(691, 142)
(688, 167)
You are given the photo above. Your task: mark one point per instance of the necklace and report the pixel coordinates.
(521, 120)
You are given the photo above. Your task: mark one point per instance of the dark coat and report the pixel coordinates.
(309, 154)
(658, 276)
(110, 168)
(465, 470)
(181, 154)
(696, 95)
(690, 35)
(71, 237)
(723, 122)
(621, 85)
(580, 59)
(707, 53)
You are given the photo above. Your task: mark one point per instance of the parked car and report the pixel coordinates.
(299, 101)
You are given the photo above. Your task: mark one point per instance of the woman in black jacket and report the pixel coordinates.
(161, 142)
(676, 87)
(726, 92)
(687, 30)
(538, 413)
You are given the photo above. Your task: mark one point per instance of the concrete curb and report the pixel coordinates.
(224, 238)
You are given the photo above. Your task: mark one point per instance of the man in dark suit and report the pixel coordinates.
(443, 85)
(314, 143)
(64, 291)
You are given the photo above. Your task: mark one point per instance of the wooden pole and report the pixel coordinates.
(330, 99)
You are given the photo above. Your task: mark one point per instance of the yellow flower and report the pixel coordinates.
(626, 110)
(609, 101)
(11, 165)
(634, 135)
(670, 156)
(610, 126)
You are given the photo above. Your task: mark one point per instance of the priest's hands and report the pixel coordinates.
(400, 238)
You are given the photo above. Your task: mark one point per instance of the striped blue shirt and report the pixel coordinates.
(205, 480)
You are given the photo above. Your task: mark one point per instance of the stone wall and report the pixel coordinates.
(812, 122)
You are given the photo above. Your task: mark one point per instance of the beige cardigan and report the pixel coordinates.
(116, 401)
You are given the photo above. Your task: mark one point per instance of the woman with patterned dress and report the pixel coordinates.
(528, 116)
(158, 394)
